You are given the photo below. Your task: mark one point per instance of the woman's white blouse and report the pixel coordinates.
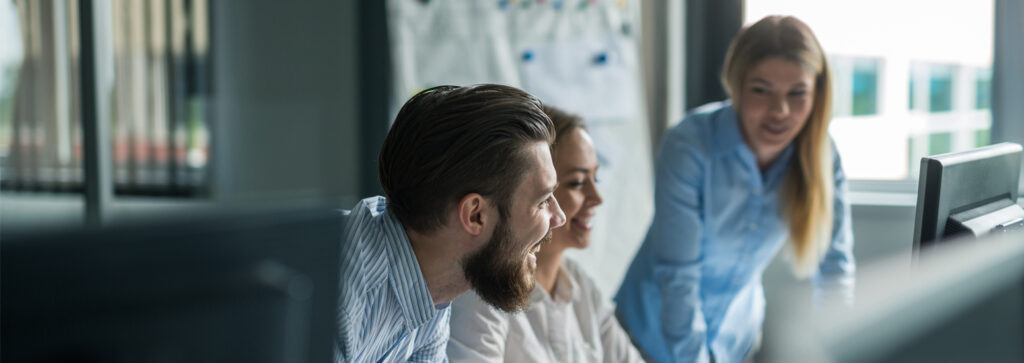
(576, 324)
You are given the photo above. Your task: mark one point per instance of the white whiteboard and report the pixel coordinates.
(581, 56)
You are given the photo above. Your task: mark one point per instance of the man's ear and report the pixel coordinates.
(472, 213)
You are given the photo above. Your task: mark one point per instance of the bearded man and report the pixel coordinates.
(468, 183)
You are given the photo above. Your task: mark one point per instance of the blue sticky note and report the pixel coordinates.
(601, 58)
(527, 56)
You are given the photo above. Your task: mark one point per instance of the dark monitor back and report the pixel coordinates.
(960, 302)
(253, 288)
(976, 186)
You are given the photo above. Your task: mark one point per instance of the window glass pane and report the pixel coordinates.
(982, 137)
(865, 87)
(10, 62)
(159, 133)
(940, 143)
(940, 89)
(910, 100)
(856, 85)
(983, 89)
(905, 86)
(913, 145)
(157, 96)
(40, 133)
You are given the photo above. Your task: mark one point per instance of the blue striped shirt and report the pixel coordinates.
(694, 289)
(385, 312)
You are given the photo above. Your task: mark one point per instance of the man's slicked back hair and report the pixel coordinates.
(450, 141)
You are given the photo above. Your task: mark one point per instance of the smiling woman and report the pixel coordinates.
(777, 75)
(735, 181)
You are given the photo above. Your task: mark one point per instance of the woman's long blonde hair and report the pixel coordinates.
(808, 188)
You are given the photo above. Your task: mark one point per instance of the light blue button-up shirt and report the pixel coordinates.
(694, 289)
(385, 311)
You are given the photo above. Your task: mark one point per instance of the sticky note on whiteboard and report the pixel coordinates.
(593, 77)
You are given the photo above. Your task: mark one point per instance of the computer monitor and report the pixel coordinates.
(257, 287)
(960, 302)
(971, 193)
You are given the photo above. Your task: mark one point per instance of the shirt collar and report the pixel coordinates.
(406, 277)
(565, 291)
(727, 135)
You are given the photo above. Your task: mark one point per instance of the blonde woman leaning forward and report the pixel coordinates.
(567, 320)
(735, 182)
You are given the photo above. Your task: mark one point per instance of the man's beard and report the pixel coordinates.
(498, 273)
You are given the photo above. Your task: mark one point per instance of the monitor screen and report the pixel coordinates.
(970, 193)
(259, 287)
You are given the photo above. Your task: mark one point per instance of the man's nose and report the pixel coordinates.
(557, 216)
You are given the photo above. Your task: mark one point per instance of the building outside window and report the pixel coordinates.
(856, 82)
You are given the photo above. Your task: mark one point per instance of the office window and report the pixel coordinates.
(940, 83)
(855, 80)
(982, 137)
(865, 87)
(39, 120)
(940, 143)
(983, 89)
(913, 147)
(10, 64)
(940, 88)
(910, 100)
(157, 116)
(156, 95)
(907, 85)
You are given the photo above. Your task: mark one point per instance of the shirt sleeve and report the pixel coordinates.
(349, 301)
(478, 331)
(432, 338)
(836, 274)
(675, 235)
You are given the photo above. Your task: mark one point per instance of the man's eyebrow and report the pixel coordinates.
(549, 190)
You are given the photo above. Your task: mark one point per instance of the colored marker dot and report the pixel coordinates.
(527, 56)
